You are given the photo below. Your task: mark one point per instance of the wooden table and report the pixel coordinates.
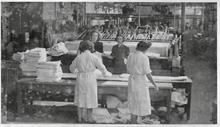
(105, 87)
(185, 84)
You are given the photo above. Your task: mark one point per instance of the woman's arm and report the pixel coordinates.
(149, 76)
(147, 71)
(101, 67)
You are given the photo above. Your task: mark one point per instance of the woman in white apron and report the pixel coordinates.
(86, 86)
(138, 92)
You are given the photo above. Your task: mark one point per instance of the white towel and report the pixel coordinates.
(49, 71)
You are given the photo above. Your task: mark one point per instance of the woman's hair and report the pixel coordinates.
(143, 46)
(119, 35)
(86, 45)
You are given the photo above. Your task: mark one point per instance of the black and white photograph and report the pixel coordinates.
(109, 62)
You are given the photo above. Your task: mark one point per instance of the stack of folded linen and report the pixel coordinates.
(31, 60)
(49, 71)
(36, 55)
(58, 49)
(29, 69)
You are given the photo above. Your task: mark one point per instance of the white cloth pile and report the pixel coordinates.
(101, 115)
(98, 73)
(49, 71)
(36, 55)
(124, 115)
(148, 120)
(58, 49)
(179, 97)
(113, 102)
(31, 60)
(29, 68)
(19, 56)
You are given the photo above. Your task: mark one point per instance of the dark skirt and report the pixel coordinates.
(119, 67)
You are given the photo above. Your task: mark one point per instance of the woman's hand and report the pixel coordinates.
(108, 74)
(125, 60)
(149, 76)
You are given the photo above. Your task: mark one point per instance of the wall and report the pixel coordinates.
(18, 18)
(66, 16)
(24, 16)
(55, 17)
(61, 21)
(44, 17)
(210, 18)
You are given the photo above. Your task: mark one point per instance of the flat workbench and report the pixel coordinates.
(114, 85)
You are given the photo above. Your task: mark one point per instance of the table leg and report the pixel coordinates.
(20, 107)
(168, 106)
(189, 86)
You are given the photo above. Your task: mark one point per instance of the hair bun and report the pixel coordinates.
(86, 45)
(143, 45)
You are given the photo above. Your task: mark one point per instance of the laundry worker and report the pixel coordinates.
(86, 87)
(119, 56)
(138, 67)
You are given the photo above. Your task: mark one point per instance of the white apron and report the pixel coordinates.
(86, 84)
(138, 95)
(86, 90)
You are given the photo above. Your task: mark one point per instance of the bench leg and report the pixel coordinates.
(189, 101)
(20, 106)
(168, 106)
